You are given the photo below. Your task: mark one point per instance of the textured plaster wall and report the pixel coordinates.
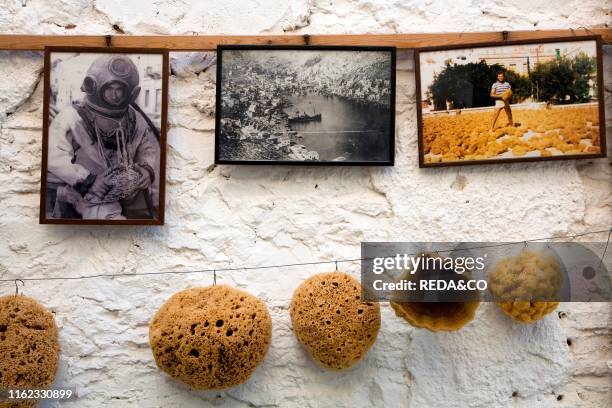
(232, 216)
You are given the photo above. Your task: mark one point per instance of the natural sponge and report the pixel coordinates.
(441, 315)
(212, 337)
(527, 312)
(29, 347)
(517, 281)
(436, 316)
(331, 321)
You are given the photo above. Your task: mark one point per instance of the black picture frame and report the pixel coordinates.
(600, 99)
(164, 55)
(219, 93)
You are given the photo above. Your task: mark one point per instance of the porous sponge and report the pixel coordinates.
(517, 280)
(527, 312)
(507, 95)
(331, 321)
(211, 338)
(29, 347)
(436, 316)
(467, 136)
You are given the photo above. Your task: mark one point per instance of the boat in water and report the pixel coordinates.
(304, 117)
(298, 117)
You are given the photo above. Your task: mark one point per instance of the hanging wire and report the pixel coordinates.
(288, 265)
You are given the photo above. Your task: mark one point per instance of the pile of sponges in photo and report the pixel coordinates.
(215, 337)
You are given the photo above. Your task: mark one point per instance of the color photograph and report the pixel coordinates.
(104, 139)
(513, 102)
(305, 105)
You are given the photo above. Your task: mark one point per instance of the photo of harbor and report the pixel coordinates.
(305, 105)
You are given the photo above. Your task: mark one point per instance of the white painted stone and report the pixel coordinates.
(219, 216)
(20, 75)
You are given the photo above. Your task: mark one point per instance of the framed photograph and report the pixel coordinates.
(313, 105)
(512, 101)
(104, 139)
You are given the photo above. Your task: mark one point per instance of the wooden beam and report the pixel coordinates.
(18, 42)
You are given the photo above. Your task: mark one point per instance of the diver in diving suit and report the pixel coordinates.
(96, 138)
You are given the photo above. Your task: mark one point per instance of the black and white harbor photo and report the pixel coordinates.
(305, 105)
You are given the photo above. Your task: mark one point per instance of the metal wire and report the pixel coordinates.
(288, 265)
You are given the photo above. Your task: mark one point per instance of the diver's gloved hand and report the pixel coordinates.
(147, 176)
(100, 187)
(69, 195)
(82, 187)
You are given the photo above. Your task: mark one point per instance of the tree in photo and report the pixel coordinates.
(565, 80)
(469, 85)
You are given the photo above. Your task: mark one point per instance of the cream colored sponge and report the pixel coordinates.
(530, 275)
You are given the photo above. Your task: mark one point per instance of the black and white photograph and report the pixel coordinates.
(104, 136)
(305, 105)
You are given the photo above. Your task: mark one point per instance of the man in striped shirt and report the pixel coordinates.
(501, 92)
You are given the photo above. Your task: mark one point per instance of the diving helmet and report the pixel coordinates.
(111, 84)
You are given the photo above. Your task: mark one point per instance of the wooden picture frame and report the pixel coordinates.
(156, 127)
(422, 53)
(221, 158)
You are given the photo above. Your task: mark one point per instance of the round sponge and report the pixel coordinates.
(527, 312)
(436, 316)
(212, 337)
(29, 346)
(330, 320)
(530, 275)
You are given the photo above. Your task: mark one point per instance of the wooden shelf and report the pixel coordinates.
(18, 42)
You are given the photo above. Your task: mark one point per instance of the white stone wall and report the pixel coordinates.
(232, 216)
